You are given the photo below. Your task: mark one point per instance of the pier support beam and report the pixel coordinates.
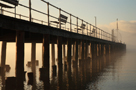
(53, 59)
(45, 48)
(59, 51)
(76, 51)
(69, 54)
(85, 50)
(82, 50)
(3, 53)
(107, 48)
(102, 49)
(33, 55)
(33, 59)
(19, 60)
(53, 54)
(64, 52)
(45, 60)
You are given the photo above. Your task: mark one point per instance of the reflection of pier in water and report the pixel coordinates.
(84, 57)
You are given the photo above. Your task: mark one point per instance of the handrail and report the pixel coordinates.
(73, 27)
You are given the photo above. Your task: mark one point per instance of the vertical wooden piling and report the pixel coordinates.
(45, 48)
(82, 50)
(76, 50)
(33, 59)
(69, 53)
(73, 51)
(59, 51)
(19, 60)
(33, 55)
(107, 48)
(3, 53)
(85, 50)
(102, 49)
(45, 60)
(53, 53)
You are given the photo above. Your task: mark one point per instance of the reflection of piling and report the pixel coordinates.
(19, 60)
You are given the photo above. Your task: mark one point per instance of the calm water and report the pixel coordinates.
(108, 72)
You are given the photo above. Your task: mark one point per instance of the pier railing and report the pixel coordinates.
(65, 21)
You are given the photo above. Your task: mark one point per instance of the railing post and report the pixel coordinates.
(48, 14)
(20, 16)
(30, 16)
(70, 23)
(96, 32)
(87, 29)
(90, 29)
(1, 10)
(77, 24)
(59, 18)
(82, 29)
(15, 11)
(101, 34)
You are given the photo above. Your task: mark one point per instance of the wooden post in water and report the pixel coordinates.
(45, 48)
(86, 50)
(53, 54)
(33, 55)
(64, 52)
(107, 48)
(45, 60)
(59, 51)
(19, 60)
(53, 59)
(80, 50)
(3, 54)
(33, 59)
(69, 54)
(102, 49)
(94, 53)
(76, 51)
(82, 43)
(69, 62)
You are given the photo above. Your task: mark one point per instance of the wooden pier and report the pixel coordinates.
(83, 46)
